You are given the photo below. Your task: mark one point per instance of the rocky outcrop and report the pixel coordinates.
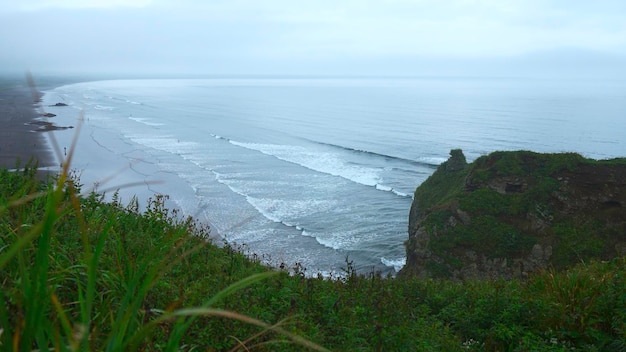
(509, 214)
(457, 161)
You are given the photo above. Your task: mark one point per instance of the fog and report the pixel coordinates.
(323, 37)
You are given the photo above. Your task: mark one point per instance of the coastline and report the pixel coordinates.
(114, 167)
(20, 139)
(26, 135)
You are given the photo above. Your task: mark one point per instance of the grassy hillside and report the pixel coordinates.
(81, 274)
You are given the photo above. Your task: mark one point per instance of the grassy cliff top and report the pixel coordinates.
(445, 185)
(510, 213)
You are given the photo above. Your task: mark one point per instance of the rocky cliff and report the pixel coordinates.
(509, 214)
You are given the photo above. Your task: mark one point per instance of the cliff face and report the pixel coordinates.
(511, 213)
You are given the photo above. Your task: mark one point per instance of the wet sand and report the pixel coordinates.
(103, 161)
(19, 125)
(110, 164)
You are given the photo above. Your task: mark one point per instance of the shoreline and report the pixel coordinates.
(27, 124)
(108, 164)
(24, 118)
(20, 140)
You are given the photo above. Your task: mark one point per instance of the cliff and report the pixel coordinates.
(509, 214)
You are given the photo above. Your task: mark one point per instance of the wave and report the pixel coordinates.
(392, 190)
(330, 242)
(165, 143)
(219, 137)
(328, 163)
(145, 121)
(422, 161)
(104, 107)
(280, 211)
(324, 162)
(286, 212)
(277, 211)
(432, 160)
(396, 264)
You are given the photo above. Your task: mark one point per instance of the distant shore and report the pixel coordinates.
(19, 141)
(22, 123)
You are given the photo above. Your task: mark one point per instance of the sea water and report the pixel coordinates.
(320, 171)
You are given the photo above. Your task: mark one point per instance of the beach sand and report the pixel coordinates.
(103, 161)
(108, 163)
(20, 120)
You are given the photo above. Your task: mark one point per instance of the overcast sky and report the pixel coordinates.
(333, 37)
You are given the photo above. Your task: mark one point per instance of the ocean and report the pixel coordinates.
(321, 171)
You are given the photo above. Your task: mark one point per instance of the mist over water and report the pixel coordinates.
(315, 170)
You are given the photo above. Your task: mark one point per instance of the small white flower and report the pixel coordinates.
(554, 340)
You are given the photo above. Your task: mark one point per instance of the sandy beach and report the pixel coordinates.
(19, 141)
(26, 134)
(108, 163)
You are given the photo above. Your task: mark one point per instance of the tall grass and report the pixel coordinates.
(79, 274)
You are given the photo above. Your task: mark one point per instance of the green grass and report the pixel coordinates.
(81, 274)
(506, 224)
(78, 273)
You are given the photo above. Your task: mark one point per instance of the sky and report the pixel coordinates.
(315, 37)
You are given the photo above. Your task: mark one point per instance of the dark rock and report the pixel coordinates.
(59, 104)
(456, 161)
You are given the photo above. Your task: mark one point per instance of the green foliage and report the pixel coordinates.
(486, 235)
(584, 305)
(503, 203)
(82, 274)
(524, 163)
(439, 188)
(578, 242)
(438, 270)
(485, 201)
(437, 219)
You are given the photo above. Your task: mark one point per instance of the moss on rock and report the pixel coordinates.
(508, 214)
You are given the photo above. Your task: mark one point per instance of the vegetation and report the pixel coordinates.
(513, 200)
(81, 274)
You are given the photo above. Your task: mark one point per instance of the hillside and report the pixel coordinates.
(81, 274)
(509, 214)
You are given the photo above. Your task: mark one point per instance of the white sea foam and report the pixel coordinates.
(396, 264)
(324, 162)
(336, 240)
(274, 209)
(145, 121)
(401, 194)
(329, 242)
(383, 188)
(432, 160)
(286, 211)
(104, 107)
(165, 143)
(265, 209)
